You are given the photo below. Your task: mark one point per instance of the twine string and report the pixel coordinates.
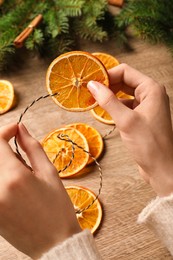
(63, 137)
(110, 132)
(73, 152)
(67, 139)
(24, 112)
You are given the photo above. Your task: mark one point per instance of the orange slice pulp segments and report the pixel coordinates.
(102, 115)
(108, 60)
(6, 96)
(68, 76)
(93, 138)
(60, 152)
(82, 197)
(99, 113)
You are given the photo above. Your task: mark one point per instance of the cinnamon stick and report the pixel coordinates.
(116, 2)
(1, 2)
(19, 41)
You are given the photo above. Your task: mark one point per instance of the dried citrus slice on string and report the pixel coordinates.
(108, 60)
(68, 76)
(81, 198)
(7, 98)
(99, 113)
(60, 152)
(123, 95)
(102, 115)
(93, 138)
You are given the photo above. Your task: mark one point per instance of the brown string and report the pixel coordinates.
(110, 132)
(67, 139)
(72, 157)
(62, 137)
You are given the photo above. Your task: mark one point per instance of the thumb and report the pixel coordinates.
(39, 161)
(108, 101)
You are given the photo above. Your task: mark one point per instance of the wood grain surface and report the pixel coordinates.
(124, 193)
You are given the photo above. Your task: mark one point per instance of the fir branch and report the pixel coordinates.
(6, 52)
(71, 8)
(65, 22)
(60, 19)
(151, 20)
(88, 29)
(35, 40)
(96, 9)
(58, 45)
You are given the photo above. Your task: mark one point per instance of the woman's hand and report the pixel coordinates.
(144, 123)
(35, 210)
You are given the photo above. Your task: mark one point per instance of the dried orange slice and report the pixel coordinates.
(60, 151)
(102, 115)
(99, 113)
(81, 198)
(6, 96)
(68, 76)
(93, 138)
(108, 60)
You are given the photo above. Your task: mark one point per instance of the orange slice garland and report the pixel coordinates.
(68, 76)
(82, 197)
(60, 151)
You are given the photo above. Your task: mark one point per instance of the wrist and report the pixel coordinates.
(162, 184)
(41, 248)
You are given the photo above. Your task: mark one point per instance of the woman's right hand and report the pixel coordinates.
(144, 123)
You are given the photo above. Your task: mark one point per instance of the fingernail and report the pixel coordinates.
(93, 87)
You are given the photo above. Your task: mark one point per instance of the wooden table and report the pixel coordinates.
(124, 193)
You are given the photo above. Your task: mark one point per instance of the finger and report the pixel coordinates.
(19, 157)
(40, 163)
(6, 133)
(126, 74)
(127, 102)
(107, 100)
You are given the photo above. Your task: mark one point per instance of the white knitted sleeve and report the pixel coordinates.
(158, 216)
(80, 246)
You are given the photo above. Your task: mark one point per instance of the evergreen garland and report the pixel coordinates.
(150, 19)
(65, 22)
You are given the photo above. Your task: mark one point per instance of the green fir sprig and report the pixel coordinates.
(64, 23)
(150, 20)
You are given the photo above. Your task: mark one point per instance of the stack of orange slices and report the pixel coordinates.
(60, 152)
(93, 137)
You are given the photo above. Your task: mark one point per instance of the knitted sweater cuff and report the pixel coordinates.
(79, 246)
(158, 216)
